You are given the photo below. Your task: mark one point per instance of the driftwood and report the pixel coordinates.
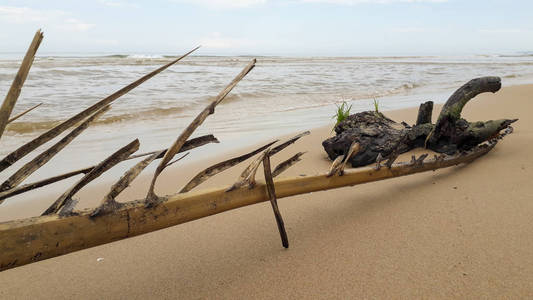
(47, 155)
(23, 113)
(190, 144)
(109, 204)
(30, 240)
(105, 165)
(271, 191)
(52, 133)
(288, 143)
(217, 168)
(366, 137)
(16, 87)
(424, 113)
(379, 135)
(177, 159)
(247, 177)
(152, 199)
(287, 164)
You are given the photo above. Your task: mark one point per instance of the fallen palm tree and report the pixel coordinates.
(62, 229)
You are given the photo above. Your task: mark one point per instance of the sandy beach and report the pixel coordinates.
(462, 232)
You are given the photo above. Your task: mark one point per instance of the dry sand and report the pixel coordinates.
(465, 231)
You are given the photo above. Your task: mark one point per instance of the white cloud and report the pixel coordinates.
(411, 29)
(502, 30)
(354, 2)
(248, 3)
(72, 24)
(43, 18)
(21, 15)
(103, 42)
(223, 3)
(117, 3)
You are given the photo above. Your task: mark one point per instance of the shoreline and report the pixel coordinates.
(297, 93)
(463, 231)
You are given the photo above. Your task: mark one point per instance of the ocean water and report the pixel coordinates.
(281, 95)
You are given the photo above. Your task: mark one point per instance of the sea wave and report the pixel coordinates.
(145, 56)
(516, 55)
(277, 83)
(115, 56)
(236, 97)
(402, 88)
(24, 127)
(139, 56)
(300, 62)
(6, 77)
(71, 72)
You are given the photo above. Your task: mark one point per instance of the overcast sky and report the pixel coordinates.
(271, 27)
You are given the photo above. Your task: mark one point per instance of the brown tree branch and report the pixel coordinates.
(271, 190)
(105, 165)
(16, 87)
(47, 155)
(23, 113)
(52, 133)
(221, 166)
(190, 144)
(151, 198)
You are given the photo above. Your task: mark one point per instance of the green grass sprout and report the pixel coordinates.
(343, 111)
(376, 105)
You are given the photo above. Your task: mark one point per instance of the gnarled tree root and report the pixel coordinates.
(379, 135)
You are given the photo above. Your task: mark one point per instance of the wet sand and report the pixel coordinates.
(463, 232)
